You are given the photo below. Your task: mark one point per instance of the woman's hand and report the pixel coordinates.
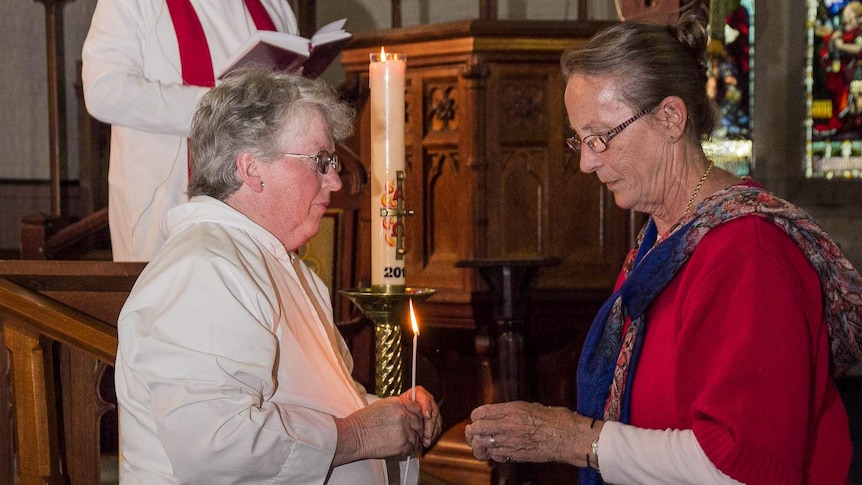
(393, 426)
(530, 432)
(430, 413)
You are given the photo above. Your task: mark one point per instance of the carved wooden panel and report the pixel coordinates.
(441, 107)
(589, 232)
(438, 188)
(83, 407)
(524, 108)
(442, 174)
(523, 207)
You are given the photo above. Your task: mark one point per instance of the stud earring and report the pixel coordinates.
(262, 184)
(671, 138)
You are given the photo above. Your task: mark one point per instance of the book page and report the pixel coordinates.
(330, 32)
(282, 51)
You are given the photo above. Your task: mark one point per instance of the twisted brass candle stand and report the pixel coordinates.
(384, 306)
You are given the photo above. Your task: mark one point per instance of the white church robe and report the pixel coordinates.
(225, 372)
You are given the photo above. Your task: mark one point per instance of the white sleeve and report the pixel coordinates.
(117, 89)
(210, 395)
(631, 455)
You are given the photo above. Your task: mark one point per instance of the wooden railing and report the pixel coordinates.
(57, 346)
(36, 332)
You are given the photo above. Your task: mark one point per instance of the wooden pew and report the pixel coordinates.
(57, 325)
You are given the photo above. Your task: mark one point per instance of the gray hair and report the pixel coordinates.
(651, 62)
(248, 112)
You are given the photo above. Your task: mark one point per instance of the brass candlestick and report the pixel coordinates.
(384, 307)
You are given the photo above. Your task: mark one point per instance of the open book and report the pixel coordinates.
(289, 52)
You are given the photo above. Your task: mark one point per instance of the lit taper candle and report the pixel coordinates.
(415, 325)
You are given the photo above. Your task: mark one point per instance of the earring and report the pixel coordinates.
(671, 138)
(262, 184)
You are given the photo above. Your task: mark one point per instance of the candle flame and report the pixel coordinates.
(382, 55)
(413, 319)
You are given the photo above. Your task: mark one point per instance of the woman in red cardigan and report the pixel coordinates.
(714, 359)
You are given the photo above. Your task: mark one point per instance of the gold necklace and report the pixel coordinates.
(690, 204)
(697, 189)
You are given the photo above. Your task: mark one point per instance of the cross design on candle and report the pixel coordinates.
(398, 213)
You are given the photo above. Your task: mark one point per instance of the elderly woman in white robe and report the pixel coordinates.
(229, 368)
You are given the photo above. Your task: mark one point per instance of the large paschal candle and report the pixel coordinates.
(386, 80)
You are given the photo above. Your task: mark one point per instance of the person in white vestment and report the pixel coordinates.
(145, 65)
(230, 368)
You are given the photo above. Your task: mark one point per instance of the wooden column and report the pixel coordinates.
(6, 437)
(306, 15)
(509, 282)
(56, 97)
(396, 14)
(36, 420)
(488, 9)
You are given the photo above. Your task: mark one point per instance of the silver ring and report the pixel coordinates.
(507, 459)
(492, 442)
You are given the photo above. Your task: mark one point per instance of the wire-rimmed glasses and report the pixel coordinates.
(323, 159)
(599, 143)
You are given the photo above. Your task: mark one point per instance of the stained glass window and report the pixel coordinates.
(730, 82)
(834, 87)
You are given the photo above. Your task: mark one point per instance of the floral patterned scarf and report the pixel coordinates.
(609, 358)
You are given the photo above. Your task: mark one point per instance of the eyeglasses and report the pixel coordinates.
(323, 159)
(599, 143)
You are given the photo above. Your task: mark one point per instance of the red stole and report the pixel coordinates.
(195, 59)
